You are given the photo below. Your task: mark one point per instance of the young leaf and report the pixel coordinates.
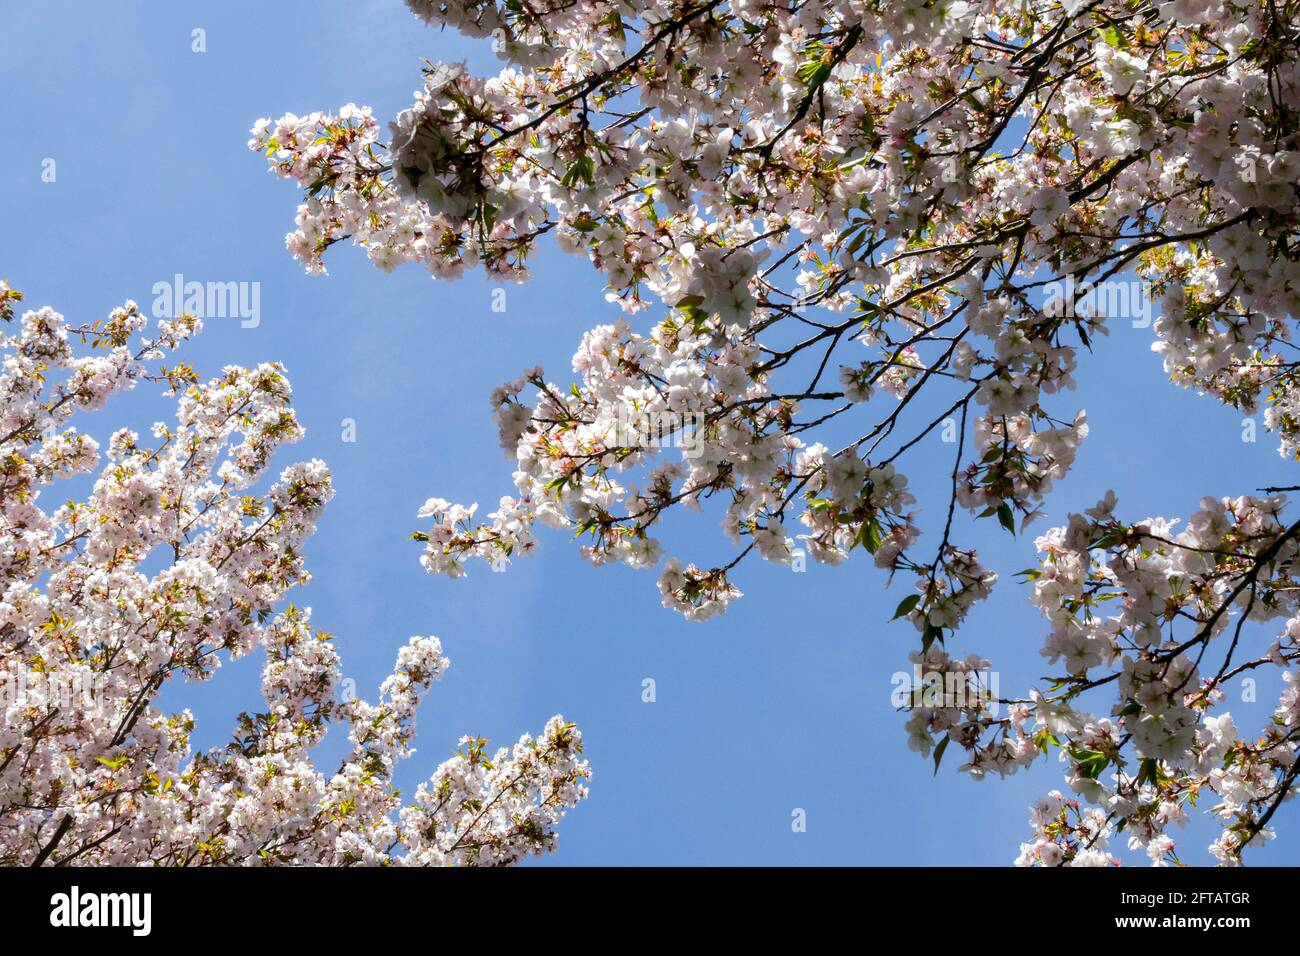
(905, 606)
(938, 753)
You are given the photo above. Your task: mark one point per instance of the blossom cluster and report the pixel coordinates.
(830, 208)
(178, 558)
(1162, 660)
(845, 169)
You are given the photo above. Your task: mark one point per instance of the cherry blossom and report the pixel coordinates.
(809, 215)
(177, 559)
(1161, 660)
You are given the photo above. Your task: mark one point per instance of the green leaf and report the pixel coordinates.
(938, 753)
(856, 242)
(931, 634)
(906, 605)
(1113, 36)
(583, 170)
(1091, 762)
(814, 72)
(1006, 517)
(1149, 772)
(869, 536)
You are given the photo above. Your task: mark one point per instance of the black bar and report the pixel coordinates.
(336, 906)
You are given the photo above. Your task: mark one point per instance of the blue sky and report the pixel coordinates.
(781, 704)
